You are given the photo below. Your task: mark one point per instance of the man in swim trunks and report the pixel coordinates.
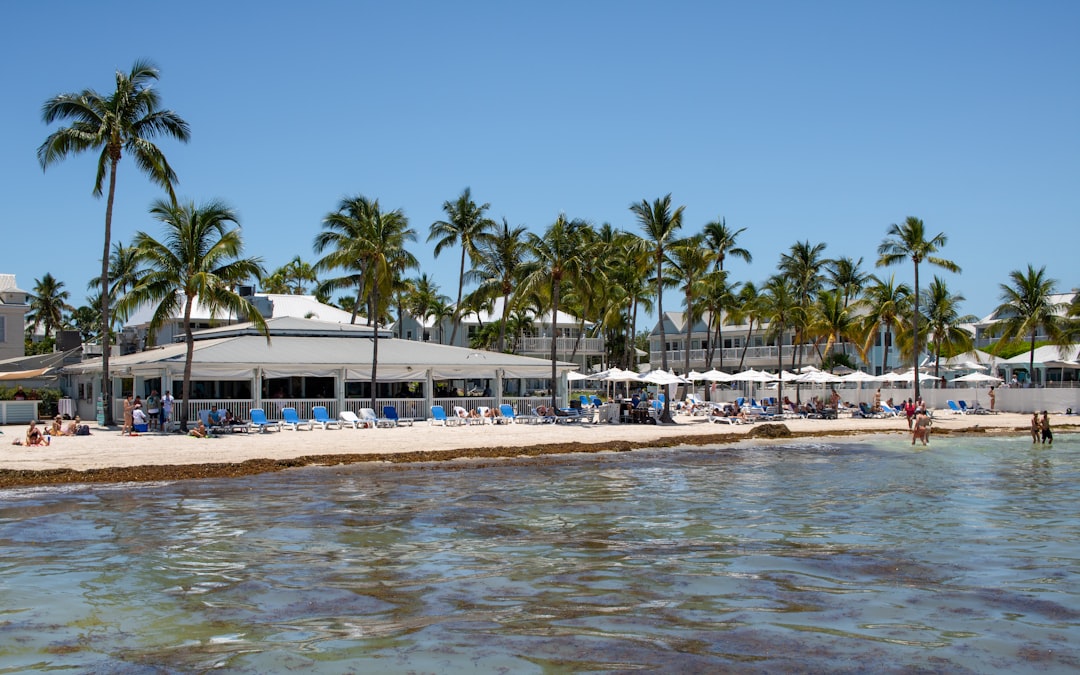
(921, 429)
(1044, 425)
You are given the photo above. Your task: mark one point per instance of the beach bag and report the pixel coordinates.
(83, 430)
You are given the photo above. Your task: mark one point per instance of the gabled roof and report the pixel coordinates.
(1044, 354)
(291, 325)
(544, 318)
(299, 306)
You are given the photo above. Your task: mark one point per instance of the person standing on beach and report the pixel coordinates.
(1044, 425)
(128, 421)
(1036, 427)
(877, 401)
(153, 409)
(909, 412)
(166, 410)
(993, 396)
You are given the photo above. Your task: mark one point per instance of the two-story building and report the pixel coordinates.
(14, 304)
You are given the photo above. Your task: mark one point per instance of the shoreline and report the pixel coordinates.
(108, 457)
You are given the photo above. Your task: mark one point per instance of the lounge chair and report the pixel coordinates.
(259, 421)
(290, 420)
(438, 416)
(465, 418)
(543, 417)
(368, 415)
(508, 413)
(212, 421)
(390, 412)
(321, 418)
(349, 418)
(955, 408)
(889, 410)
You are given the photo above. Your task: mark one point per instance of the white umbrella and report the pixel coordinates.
(575, 376)
(695, 376)
(752, 375)
(860, 377)
(715, 375)
(977, 377)
(620, 375)
(909, 376)
(660, 376)
(970, 365)
(818, 377)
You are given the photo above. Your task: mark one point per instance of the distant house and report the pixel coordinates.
(572, 340)
(14, 304)
(986, 329)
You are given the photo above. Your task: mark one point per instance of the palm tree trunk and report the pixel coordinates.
(460, 286)
(554, 339)
(915, 336)
(689, 327)
(106, 381)
(502, 325)
(374, 348)
(356, 305)
(665, 417)
(746, 345)
(189, 355)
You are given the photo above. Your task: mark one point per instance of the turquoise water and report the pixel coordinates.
(805, 556)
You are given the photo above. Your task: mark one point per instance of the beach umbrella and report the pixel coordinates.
(715, 375)
(970, 365)
(752, 375)
(575, 376)
(860, 377)
(818, 377)
(660, 376)
(695, 376)
(977, 377)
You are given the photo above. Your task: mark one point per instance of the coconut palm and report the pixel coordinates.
(722, 240)
(85, 320)
(1027, 307)
(296, 274)
(660, 225)
(199, 258)
(126, 120)
(424, 301)
(781, 309)
(846, 275)
(943, 322)
(378, 249)
(883, 302)
(48, 303)
(832, 321)
(688, 264)
(748, 307)
(908, 241)
(719, 300)
(124, 274)
(803, 266)
(498, 266)
(556, 260)
(466, 226)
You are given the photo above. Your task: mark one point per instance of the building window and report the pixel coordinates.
(3, 329)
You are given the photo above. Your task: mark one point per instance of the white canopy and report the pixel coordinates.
(977, 377)
(715, 375)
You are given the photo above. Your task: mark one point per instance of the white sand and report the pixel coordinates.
(107, 448)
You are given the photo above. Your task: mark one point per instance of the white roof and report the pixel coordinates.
(544, 318)
(300, 306)
(1044, 354)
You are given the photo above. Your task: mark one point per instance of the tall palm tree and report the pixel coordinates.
(722, 240)
(425, 301)
(832, 321)
(660, 225)
(846, 275)
(884, 302)
(124, 274)
(556, 260)
(467, 226)
(803, 267)
(198, 258)
(499, 263)
(749, 307)
(1027, 307)
(782, 309)
(689, 262)
(126, 120)
(719, 300)
(908, 241)
(943, 322)
(378, 249)
(48, 303)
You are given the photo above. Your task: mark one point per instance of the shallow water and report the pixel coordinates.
(806, 556)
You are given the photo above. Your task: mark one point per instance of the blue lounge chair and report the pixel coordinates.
(321, 417)
(290, 420)
(953, 407)
(390, 412)
(964, 407)
(508, 412)
(212, 421)
(597, 402)
(438, 416)
(368, 415)
(259, 421)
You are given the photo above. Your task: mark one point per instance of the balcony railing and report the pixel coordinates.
(542, 345)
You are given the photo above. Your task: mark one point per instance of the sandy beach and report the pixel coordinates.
(106, 456)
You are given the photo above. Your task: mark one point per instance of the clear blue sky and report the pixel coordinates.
(819, 121)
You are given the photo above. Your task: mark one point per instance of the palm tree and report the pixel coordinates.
(85, 320)
(846, 276)
(719, 299)
(884, 303)
(908, 240)
(832, 321)
(465, 225)
(660, 225)
(802, 265)
(721, 239)
(1027, 307)
(556, 260)
(198, 258)
(689, 264)
(499, 262)
(125, 121)
(296, 274)
(781, 308)
(424, 301)
(943, 321)
(748, 306)
(48, 302)
(124, 274)
(378, 249)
